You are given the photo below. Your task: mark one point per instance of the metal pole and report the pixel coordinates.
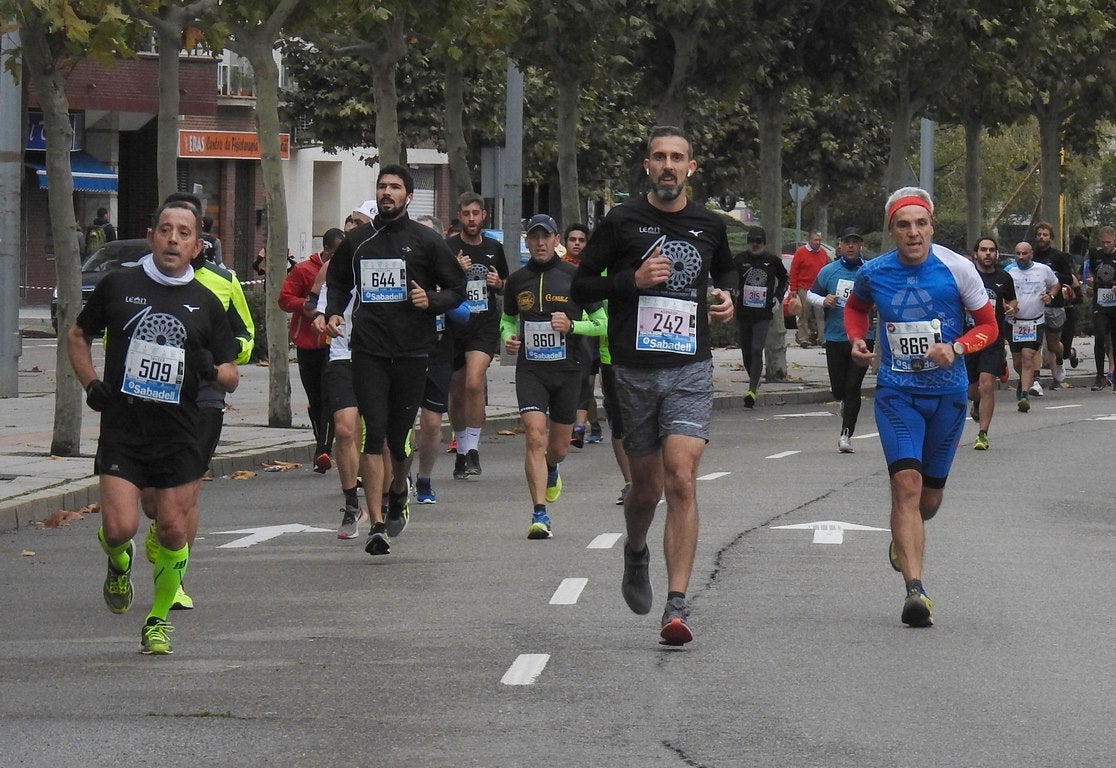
(512, 192)
(11, 175)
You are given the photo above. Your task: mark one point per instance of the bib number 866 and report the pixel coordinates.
(914, 345)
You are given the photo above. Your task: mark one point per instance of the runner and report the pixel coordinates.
(544, 329)
(1101, 268)
(831, 292)
(763, 281)
(984, 368)
(165, 334)
(658, 251)
(921, 291)
(1034, 287)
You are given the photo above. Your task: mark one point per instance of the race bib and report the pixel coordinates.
(1106, 297)
(666, 325)
(844, 288)
(1024, 330)
(383, 281)
(476, 296)
(909, 343)
(439, 324)
(541, 342)
(154, 372)
(754, 296)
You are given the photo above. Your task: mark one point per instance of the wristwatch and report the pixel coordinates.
(958, 348)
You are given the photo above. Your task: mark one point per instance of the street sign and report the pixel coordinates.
(828, 531)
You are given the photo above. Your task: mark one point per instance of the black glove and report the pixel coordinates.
(200, 361)
(97, 395)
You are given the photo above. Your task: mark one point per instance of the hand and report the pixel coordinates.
(492, 279)
(654, 270)
(560, 322)
(723, 310)
(319, 324)
(1046, 297)
(464, 261)
(333, 326)
(199, 360)
(942, 354)
(829, 301)
(860, 353)
(97, 395)
(418, 296)
(512, 345)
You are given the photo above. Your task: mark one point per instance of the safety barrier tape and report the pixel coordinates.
(261, 281)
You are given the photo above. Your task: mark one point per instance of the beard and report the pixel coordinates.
(666, 194)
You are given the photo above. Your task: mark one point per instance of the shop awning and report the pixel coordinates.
(90, 174)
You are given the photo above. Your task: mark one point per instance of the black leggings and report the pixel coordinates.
(753, 338)
(311, 368)
(1104, 329)
(845, 378)
(388, 392)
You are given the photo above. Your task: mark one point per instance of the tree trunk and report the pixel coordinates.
(51, 85)
(672, 107)
(456, 148)
(904, 109)
(974, 130)
(389, 50)
(821, 213)
(166, 162)
(569, 91)
(1050, 176)
(769, 112)
(267, 125)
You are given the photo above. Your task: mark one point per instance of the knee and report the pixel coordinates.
(680, 483)
(929, 504)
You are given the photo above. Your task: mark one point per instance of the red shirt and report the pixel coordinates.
(292, 297)
(805, 267)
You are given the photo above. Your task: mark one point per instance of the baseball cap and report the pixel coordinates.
(757, 235)
(541, 220)
(850, 233)
(368, 208)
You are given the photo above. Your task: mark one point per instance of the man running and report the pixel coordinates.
(658, 251)
(166, 333)
(985, 367)
(831, 292)
(921, 291)
(763, 281)
(545, 329)
(1035, 286)
(1101, 267)
(475, 344)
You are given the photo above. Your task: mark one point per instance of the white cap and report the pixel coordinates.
(368, 208)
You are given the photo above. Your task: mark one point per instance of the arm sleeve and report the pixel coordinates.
(449, 277)
(508, 327)
(857, 317)
(591, 283)
(983, 333)
(593, 323)
(814, 298)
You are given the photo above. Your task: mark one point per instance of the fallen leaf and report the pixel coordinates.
(62, 517)
(263, 363)
(242, 474)
(506, 432)
(27, 553)
(279, 466)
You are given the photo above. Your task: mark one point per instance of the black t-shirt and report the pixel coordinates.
(487, 253)
(1062, 264)
(1001, 288)
(666, 326)
(533, 294)
(759, 271)
(1102, 266)
(148, 324)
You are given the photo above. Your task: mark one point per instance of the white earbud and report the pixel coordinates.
(689, 174)
(647, 171)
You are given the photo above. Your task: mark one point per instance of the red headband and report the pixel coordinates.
(905, 201)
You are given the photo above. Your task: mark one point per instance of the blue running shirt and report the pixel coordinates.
(919, 306)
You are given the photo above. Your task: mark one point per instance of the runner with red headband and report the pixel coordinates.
(921, 291)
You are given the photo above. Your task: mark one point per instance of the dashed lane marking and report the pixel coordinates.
(568, 591)
(604, 541)
(782, 455)
(1060, 407)
(865, 437)
(526, 669)
(714, 475)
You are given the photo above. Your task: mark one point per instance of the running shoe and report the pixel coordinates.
(1036, 389)
(1060, 374)
(351, 518)
(472, 463)
(379, 543)
(322, 463)
(623, 494)
(1023, 404)
(1054, 385)
(981, 443)
(1073, 358)
(153, 637)
(553, 485)
(675, 630)
(917, 608)
(182, 601)
(151, 542)
(750, 399)
(1099, 383)
(577, 440)
(974, 411)
(893, 557)
(844, 443)
(452, 447)
(636, 584)
(424, 492)
(460, 471)
(540, 526)
(117, 589)
(594, 434)
(399, 511)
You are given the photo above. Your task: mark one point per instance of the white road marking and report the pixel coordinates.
(1060, 407)
(800, 415)
(782, 455)
(1105, 418)
(865, 437)
(525, 669)
(568, 591)
(604, 541)
(828, 531)
(714, 475)
(266, 533)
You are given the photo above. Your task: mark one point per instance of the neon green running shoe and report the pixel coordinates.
(917, 608)
(151, 543)
(153, 637)
(893, 556)
(118, 585)
(553, 485)
(981, 443)
(182, 601)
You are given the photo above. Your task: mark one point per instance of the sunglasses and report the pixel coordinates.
(754, 240)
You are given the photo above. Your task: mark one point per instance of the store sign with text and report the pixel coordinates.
(229, 145)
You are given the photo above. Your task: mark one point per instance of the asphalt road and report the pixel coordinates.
(304, 651)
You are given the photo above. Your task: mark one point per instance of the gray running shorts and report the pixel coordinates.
(1055, 319)
(656, 402)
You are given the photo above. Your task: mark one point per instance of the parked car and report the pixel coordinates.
(110, 256)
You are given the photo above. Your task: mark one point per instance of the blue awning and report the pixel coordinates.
(90, 174)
